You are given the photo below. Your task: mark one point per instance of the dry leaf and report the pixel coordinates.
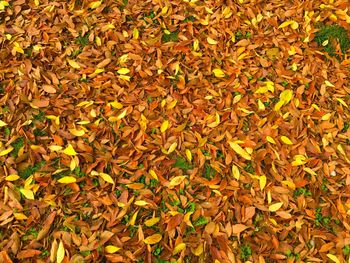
(154, 239)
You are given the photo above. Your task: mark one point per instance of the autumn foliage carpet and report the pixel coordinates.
(174, 131)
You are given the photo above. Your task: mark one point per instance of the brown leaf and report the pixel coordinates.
(28, 253)
(238, 228)
(40, 103)
(49, 89)
(46, 226)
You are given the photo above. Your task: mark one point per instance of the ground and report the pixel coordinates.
(174, 131)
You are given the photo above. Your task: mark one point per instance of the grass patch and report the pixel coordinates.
(82, 40)
(31, 169)
(182, 163)
(246, 252)
(330, 35)
(201, 221)
(172, 37)
(17, 145)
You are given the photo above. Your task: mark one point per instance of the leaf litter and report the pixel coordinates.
(174, 131)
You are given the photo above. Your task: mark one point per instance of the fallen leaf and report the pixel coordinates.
(239, 150)
(67, 180)
(60, 252)
(73, 64)
(177, 180)
(111, 249)
(154, 239)
(178, 248)
(238, 228)
(218, 73)
(275, 207)
(27, 193)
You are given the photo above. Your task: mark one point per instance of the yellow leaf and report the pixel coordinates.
(261, 105)
(6, 151)
(95, 4)
(286, 140)
(342, 102)
(329, 84)
(211, 41)
(218, 73)
(98, 41)
(279, 105)
(333, 258)
(164, 126)
(55, 148)
(106, 177)
(20, 216)
(135, 33)
(111, 249)
(152, 221)
(310, 171)
(2, 124)
(236, 99)
(262, 90)
(153, 174)
(67, 180)
(73, 164)
(172, 147)
(60, 253)
(116, 105)
(195, 44)
(270, 139)
(188, 155)
(172, 104)
(123, 58)
(294, 25)
(133, 218)
(179, 248)
(121, 115)
(217, 121)
(177, 180)
(299, 160)
(123, 71)
(141, 203)
(164, 10)
(235, 172)
(326, 117)
(315, 107)
(77, 132)
(292, 51)
(199, 250)
(154, 239)
(285, 24)
(12, 177)
(17, 47)
(69, 150)
(99, 70)
(275, 207)
(286, 96)
(262, 182)
(239, 150)
(27, 193)
(290, 184)
(3, 4)
(73, 64)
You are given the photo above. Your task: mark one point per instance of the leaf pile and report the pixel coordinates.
(174, 131)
